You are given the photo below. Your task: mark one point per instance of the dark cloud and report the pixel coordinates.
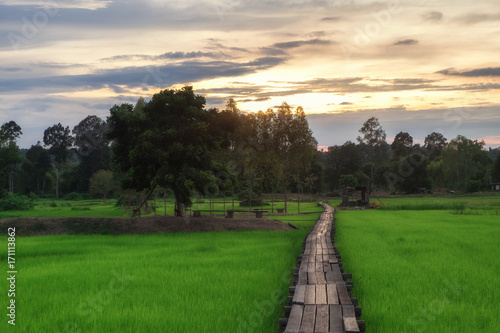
(406, 42)
(246, 100)
(271, 51)
(12, 69)
(331, 18)
(432, 16)
(166, 55)
(132, 77)
(299, 43)
(346, 103)
(490, 71)
(479, 18)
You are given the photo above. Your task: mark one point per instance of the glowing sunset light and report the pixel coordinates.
(408, 63)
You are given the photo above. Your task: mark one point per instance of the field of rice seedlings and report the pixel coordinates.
(173, 282)
(424, 270)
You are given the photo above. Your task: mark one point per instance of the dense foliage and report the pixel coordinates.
(173, 144)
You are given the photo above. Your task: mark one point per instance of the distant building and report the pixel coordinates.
(495, 186)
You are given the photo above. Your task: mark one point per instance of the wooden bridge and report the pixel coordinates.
(320, 302)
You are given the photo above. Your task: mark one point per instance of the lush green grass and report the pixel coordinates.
(178, 282)
(472, 205)
(423, 271)
(84, 208)
(96, 208)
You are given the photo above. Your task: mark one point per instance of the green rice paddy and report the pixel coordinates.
(175, 282)
(424, 270)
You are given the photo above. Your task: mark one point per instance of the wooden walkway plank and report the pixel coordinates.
(350, 323)
(320, 278)
(322, 319)
(311, 278)
(295, 319)
(321, 294)
(336, 321)
(308, 319)
(300, 294)
(337, 274)
(310, 296)
(343, 294)
(331, 292)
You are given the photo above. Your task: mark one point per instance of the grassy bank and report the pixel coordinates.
(423, 271)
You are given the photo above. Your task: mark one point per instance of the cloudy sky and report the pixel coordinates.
(418, 65)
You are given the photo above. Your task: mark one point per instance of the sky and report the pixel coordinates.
(419, 66)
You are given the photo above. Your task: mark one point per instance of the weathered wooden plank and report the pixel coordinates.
(311, 278)
(332, 259)
(300, 294)
(295, 319)
(308, 319)
(320, 278)
(310, 296)
(329, 277)
(343, 294)
(303, 265)
(336, 321)
(331, 294)
(321, 294)
(302, 277)
(349, 317)
(322, 319)
(337, 273)
(311, 267)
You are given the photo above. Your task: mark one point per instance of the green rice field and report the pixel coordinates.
(173, 282)
(418, 270)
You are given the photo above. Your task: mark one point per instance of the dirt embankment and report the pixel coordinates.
(143, 225)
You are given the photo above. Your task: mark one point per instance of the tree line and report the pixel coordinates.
(174, 145)
(403, 166)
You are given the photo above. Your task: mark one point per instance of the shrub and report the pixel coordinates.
(33, 196)
(473, 186)
(348, 180)
(255, 203)
(73, 196)
(15, 202)
(53, 204)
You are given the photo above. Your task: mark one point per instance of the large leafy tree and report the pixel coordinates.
(9, 151)
(434, 144)
(170, 143)
(101, 183)
(39, 163)
(495, 172)
(344, 160)
(373, 136)
(464, 160)
(402, 144)
(59, 140)
(92, 147)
